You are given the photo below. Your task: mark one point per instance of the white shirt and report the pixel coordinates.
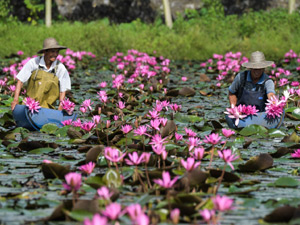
(34, 63)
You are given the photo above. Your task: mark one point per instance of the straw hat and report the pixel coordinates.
(257, 61)
(50, 43)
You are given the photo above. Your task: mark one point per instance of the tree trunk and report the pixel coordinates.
(291, 6)
(168, 15)
(48, 13)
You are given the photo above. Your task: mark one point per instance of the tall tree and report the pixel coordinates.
(168, 15)
(291, 6)
(48, 13)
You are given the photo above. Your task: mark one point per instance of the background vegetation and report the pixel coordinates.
(196, 35)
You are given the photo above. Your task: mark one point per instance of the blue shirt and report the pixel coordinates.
(269, 84)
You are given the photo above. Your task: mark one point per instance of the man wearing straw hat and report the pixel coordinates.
(48, 79)
(253, 86)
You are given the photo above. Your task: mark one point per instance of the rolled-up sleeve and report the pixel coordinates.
(233, 88)
(270, 87)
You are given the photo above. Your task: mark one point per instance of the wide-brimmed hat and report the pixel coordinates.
(50, 43)
(257, 61)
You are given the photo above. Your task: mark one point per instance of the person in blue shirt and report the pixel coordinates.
(253, 86)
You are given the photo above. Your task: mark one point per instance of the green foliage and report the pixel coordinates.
(195, 35)
(35, 6)
(5, 12)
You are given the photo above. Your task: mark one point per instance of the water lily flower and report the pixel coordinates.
(175, 107)
(20, 52)
(73, 181)
(193, 142)
(121, 105)
(227, 132)
(113, 211)
(134, 159)
(142, 219)
(178, 137)
(77, 123)
(189, 164)
(33, 106)
(153, 114)
(184, 79)
(96, 119)
(103, 84)
(158, 140)
(67, 105)
(104, 193)
(88, 168)
(163, 121)
(88, 126)
(134, 210)
(126, 128)
(166, 181)
(207, 214)
(212, 139)
(96, 220)
(155, 124)
(296, 154)
(274, 107)
(175, 215)
(47, 161)
(83, 109)
(113, 155)
(228, 157)
(190, 132)
(222, 203)
(158, 149)
(87, 104)
(66, 122)
(116, 117)
(198, 153)
(141, 130)
(234, 113)
(108, 122)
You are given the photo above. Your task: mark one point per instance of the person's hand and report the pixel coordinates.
(60, 107)
(14, 103)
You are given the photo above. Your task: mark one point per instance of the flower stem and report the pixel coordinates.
(221, 178)
(211, 155)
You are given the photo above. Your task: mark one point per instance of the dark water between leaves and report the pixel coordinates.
(27, 197)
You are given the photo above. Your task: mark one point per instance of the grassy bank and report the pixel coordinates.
(196, 38)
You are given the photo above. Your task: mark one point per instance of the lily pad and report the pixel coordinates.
(253, 129)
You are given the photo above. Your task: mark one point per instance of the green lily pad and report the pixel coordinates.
(286, 182)
(49, 128)
(253, 129)
(112, 178)
(276, 133)
(41, 151)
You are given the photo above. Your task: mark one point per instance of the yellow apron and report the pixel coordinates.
(43, 87)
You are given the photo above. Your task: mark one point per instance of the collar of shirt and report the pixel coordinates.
(43, 64)
(261, 79)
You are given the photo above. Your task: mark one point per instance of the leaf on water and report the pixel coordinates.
(260, 162)
(41, 151)
(253, 129)
(49, 128)
(286, 182)
(291, 138)
(276, 133)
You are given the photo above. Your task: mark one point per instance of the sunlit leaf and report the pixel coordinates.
(253, 129)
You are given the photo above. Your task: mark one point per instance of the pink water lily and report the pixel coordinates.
(207, 214)
(66, 122)
(87, 104)
(96, 220)
(142, 219)
(155, 124)
(113, 211)
(227, 132)
(134, 210)
(33, 106)
(175, 215)
(73, 181)
(296, 154)
(212, 139)
(190, 132)
(234, 113)
(141, 130)
(126, 128)
(158, 140)
(88, 168)
(67, 105)
(193, 142)
(198, 153)
(166, 181)
(121, 105)
(113, 155)
(228, 157)
(104, 193)
(134, 159)
(96, 119)
(88, 126)
(274, 107)
(189, 164)
(222, 203)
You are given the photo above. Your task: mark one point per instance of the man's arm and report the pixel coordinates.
(16, 95)
(270, 95)
(62, 96)
(232, 99)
